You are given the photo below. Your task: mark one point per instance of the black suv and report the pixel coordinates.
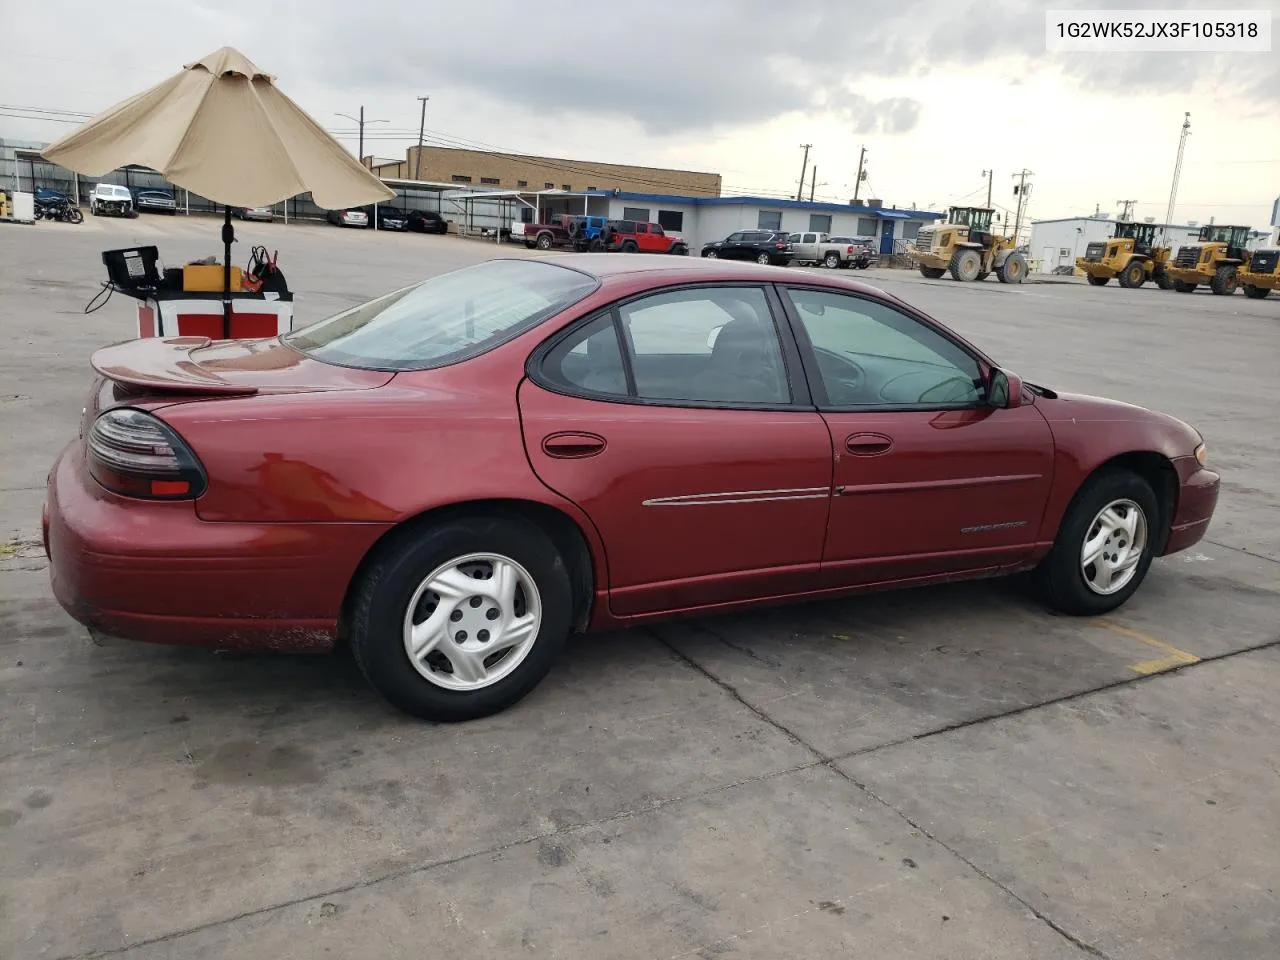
(762, 246)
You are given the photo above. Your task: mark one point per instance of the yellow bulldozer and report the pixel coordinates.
(1261, 274)
(1216, 259)
(1130, 255)
(966, 247)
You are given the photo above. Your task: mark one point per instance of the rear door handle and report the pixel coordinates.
(868, 444)
(572, 446)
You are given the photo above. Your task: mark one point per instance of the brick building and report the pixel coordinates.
(517, 172)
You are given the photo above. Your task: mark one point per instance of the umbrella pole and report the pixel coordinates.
(228, 238)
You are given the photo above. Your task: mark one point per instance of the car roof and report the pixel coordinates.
(663, 269)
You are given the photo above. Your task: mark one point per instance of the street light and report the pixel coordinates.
(360, 122)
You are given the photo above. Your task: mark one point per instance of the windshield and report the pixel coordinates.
(446, 319)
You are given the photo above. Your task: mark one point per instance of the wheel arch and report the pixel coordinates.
(1153, 467)
(583, 557)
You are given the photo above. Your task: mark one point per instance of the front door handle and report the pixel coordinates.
(572, 446)
(868, 444)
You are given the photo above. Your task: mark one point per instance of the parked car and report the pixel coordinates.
(348, 218)
(427, 221)
(389, 217)
(865, 254)
(762, 246)
(634, 236)
(255, 213)
(627, 402)
(111, 199)
(831, 252)
(155, 199)
(565, 230)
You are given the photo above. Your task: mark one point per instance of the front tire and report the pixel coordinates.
(933, 273)
(1104, 546)
(966, 265)
(462, 620)
(74, 215)
(1013, 270)
(1184, 286)
(1097, 281)
(1255, 292)
(1134, 275)
(1224, 280)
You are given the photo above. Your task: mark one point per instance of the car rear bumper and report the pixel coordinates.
(1197, 498)
(153, 571)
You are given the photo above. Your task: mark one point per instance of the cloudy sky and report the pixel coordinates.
(936, 90)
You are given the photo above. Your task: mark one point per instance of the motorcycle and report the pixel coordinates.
(52, 205)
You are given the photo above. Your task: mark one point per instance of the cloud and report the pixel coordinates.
(895, 115)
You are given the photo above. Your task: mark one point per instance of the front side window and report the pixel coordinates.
(446, 319)
(707, 345)
(870, 355)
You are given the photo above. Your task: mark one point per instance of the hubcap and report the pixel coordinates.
(1113, 547)
(472, 621)
(763, 258)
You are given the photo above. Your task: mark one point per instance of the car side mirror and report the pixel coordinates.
(1004, 390)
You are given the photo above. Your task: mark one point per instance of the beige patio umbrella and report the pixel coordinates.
(222, 128)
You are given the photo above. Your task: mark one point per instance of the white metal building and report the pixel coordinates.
(1057, 243)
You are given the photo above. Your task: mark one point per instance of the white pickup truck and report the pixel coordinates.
(833, 252)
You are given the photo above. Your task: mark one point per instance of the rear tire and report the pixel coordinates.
(544, 241)
(711, 254)
(1225, 280)
(1097, 281)
(1254, 292)
(629, 246)
(1134, 275)
(393, 594)
(831, 261)
(75, 216)
(1013, 270)
(763, 258)
(933, 273)
(1064, 581)
(1184, 286)
(966, 265)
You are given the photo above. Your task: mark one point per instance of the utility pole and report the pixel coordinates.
(359, 122)
(1020, 191)
(422, 128)
(1127, 209)
(857, 184)
(804, 169)
(1177, 172)
(813, 182)
(988, 174)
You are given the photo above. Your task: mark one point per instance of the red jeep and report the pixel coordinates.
(632, 236)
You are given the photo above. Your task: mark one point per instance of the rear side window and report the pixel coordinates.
(446, 319)
(715, 345)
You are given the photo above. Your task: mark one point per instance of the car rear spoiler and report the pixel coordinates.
(164, 365)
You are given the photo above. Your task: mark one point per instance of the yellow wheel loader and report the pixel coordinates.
(1131, 255)
(1261, 274)
(966, 247)
(1216, 259)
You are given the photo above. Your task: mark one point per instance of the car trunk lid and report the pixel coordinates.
(198, 366)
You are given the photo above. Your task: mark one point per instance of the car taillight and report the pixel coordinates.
(781, 246)
(137, 455)
(849, 250)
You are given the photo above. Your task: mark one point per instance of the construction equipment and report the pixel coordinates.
(1261, 274)
(1131, 255)
(966, 246)
(1216, 259)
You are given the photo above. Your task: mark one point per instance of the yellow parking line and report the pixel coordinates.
(1173, 656)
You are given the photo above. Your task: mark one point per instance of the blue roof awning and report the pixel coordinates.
(891, 215)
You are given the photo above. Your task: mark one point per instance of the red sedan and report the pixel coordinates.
(460, 474)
